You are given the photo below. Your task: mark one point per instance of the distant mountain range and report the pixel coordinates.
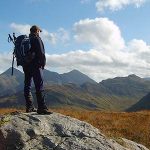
(73, 76)
(130, 86)
(13, 84)
(77, 89)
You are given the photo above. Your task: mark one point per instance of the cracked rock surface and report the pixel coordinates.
(31, 131)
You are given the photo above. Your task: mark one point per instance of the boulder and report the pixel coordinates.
(30, 131)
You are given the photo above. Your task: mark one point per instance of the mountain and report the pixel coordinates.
(87, 95)
(11, 84)
(16, 72)
(64, 95)
(76, 77)
(143, 104)
(73, 76)
(12, 93)
(51, 77)
(76, 89)
(131, 86)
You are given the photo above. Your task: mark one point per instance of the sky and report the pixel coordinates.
(101, 38)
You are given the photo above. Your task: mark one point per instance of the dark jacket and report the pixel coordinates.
(37, 47)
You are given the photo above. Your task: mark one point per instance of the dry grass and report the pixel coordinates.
(134, 126)
(8, 110)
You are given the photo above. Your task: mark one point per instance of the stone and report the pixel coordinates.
(30, 131)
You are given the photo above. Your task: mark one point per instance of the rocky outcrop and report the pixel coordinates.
(22, 131)
(132, 145)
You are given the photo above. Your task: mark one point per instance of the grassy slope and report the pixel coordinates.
(76, 96)
(72, 95)
(133, 126)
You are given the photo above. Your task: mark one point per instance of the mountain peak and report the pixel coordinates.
(76, 76)
(133, 76)
(75, 71)
(16, 72)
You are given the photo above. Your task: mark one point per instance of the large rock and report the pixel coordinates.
(23, 131)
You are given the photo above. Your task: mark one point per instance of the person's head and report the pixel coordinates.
(35, 30)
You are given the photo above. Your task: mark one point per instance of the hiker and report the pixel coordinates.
(35, 70)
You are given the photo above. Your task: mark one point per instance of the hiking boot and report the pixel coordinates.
(42, 108)
(29, 103)
(43, 112)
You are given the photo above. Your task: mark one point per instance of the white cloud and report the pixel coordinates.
(50, 37)
(5, 61)
(102, 33)
(61, 35)
(99, 65)
(25, 29)
(109, 57)
(138, 46)
(114, 5)
(140, 49)
(20, 28)
(79, 57)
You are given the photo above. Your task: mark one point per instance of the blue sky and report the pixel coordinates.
(101, 38)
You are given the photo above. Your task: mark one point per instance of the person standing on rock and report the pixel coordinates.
(35, 70)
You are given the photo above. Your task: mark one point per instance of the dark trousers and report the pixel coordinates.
(36, 74)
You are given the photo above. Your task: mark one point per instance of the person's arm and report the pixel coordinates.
(40, 53)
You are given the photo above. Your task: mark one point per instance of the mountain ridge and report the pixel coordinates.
(112, 94)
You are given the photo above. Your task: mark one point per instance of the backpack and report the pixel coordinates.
(22, 50)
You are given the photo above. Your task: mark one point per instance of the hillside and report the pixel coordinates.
(143, 104)
(131, 86)
(66, 89)
(67, 95)
(89, 96)
(51, 77)
(11, 84)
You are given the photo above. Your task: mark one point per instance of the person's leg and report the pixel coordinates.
(38, 81)
(27, 90)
